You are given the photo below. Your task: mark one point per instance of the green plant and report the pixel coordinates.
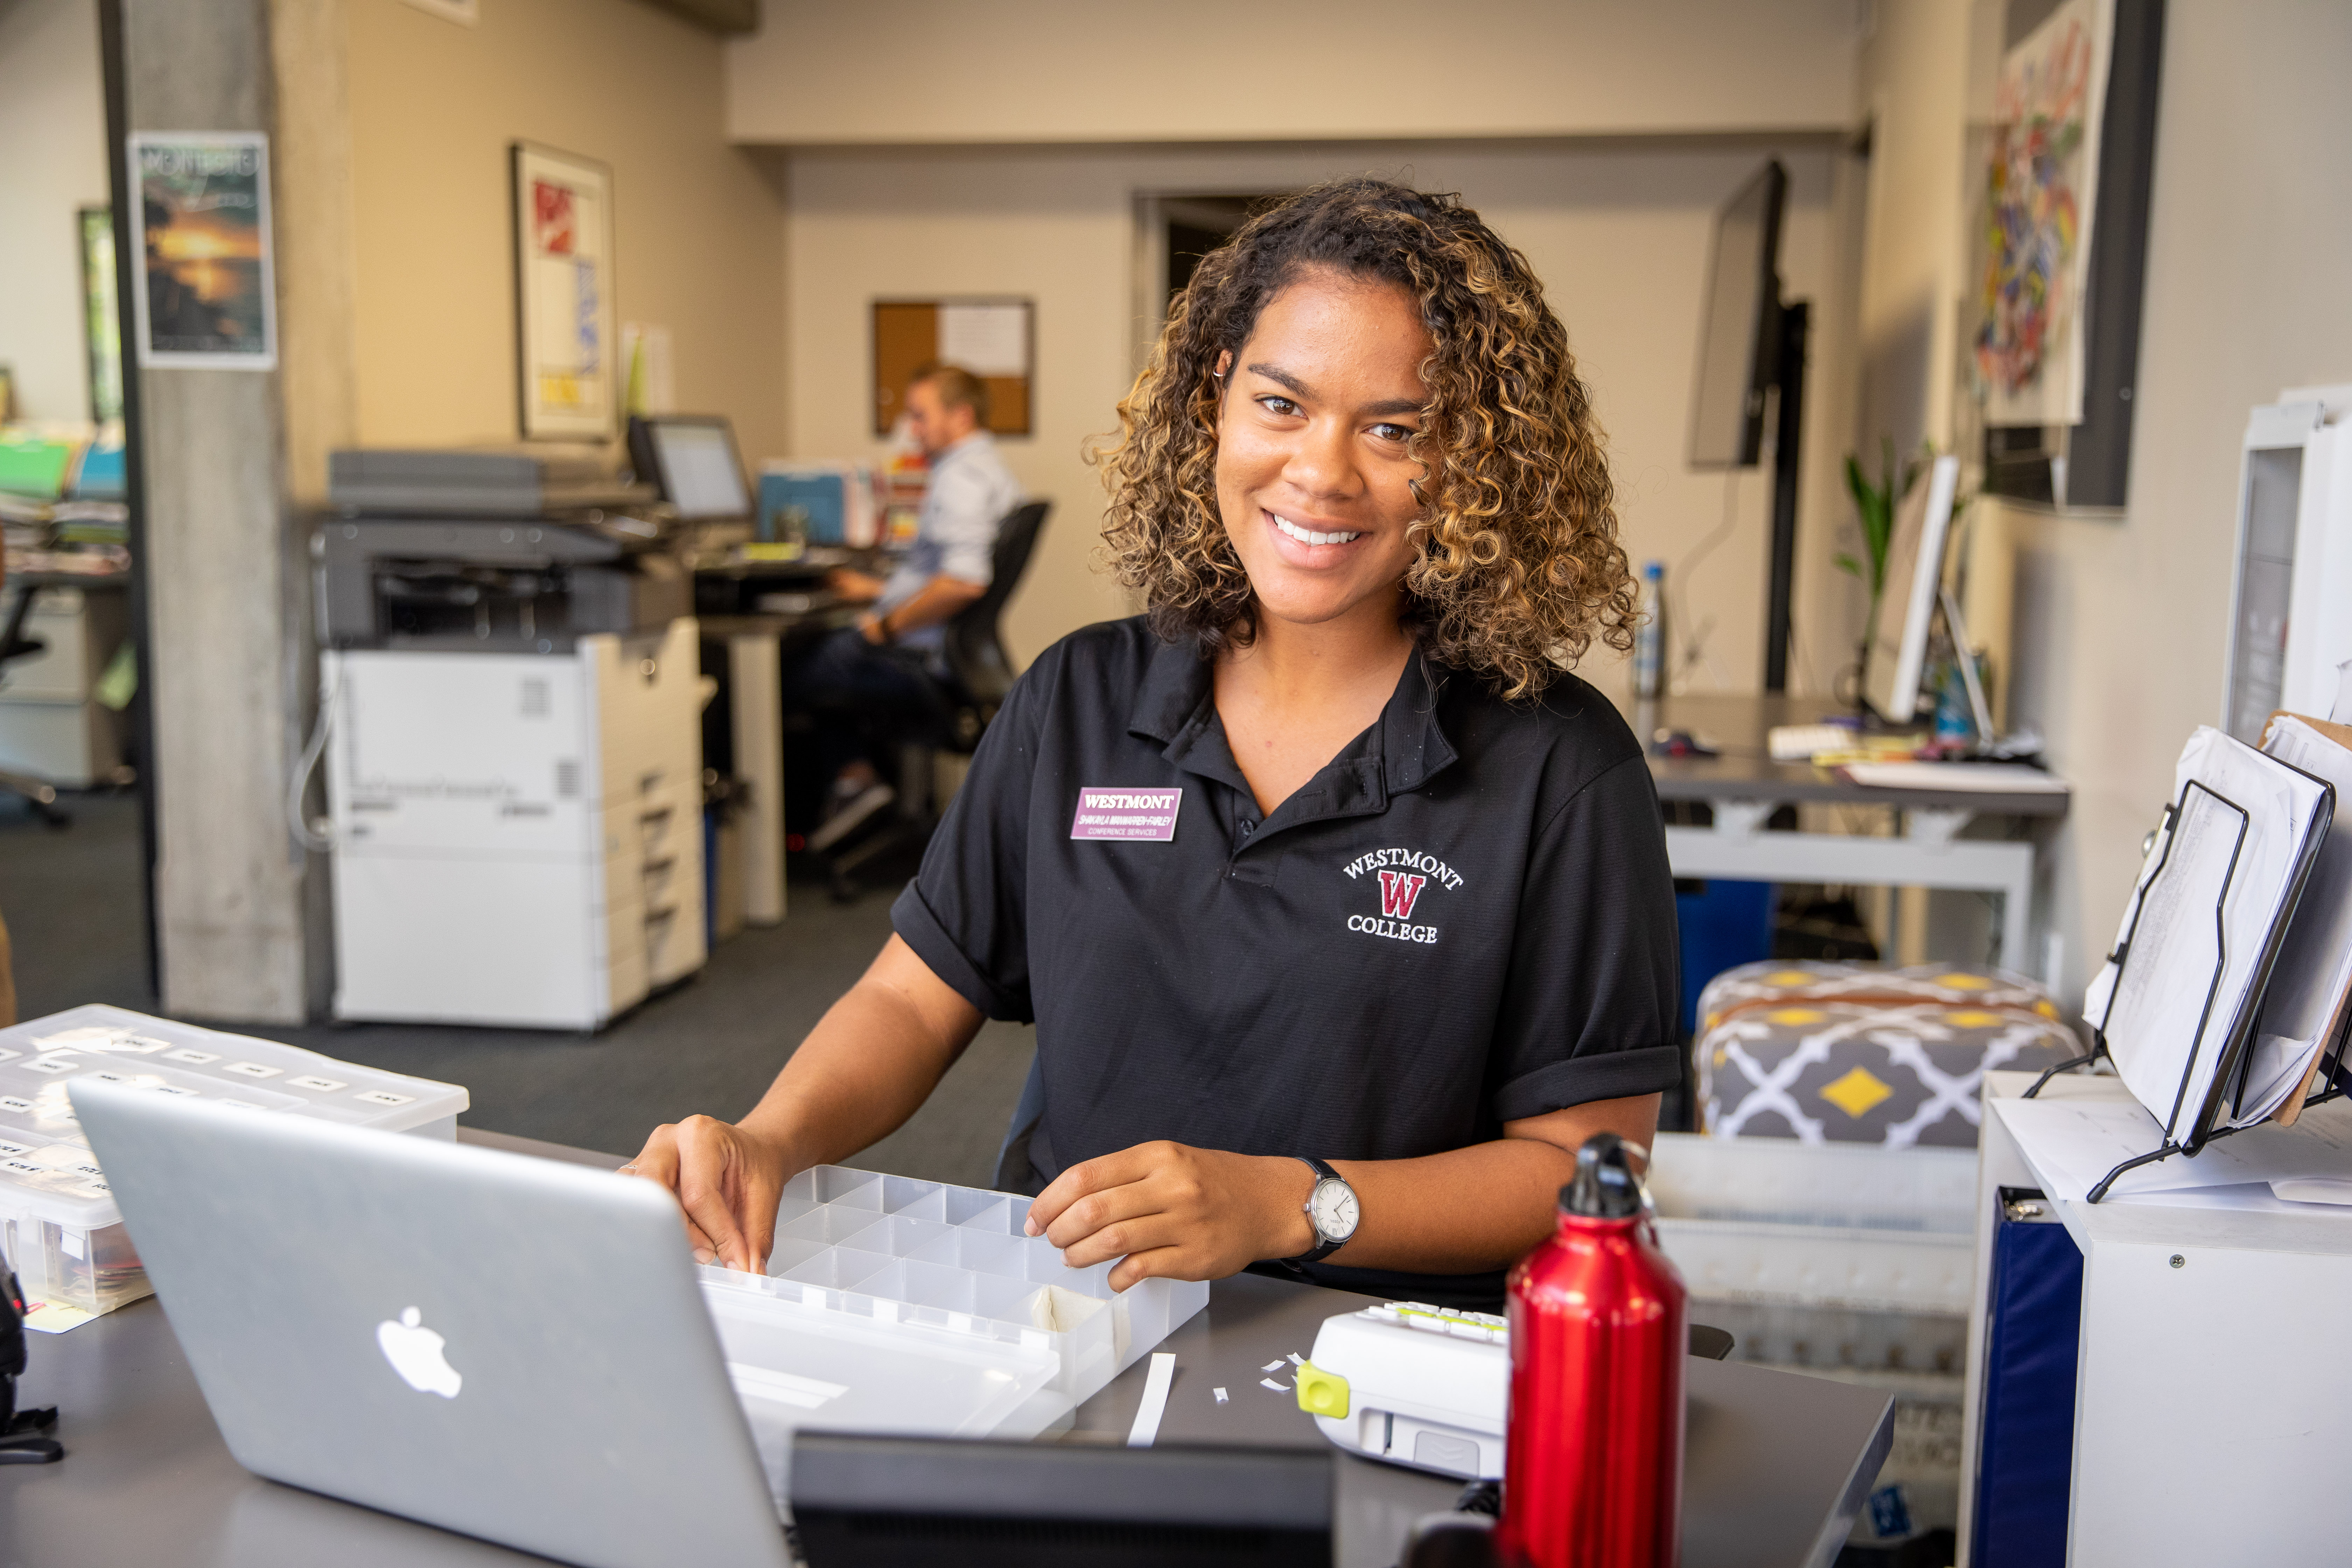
(1875, 505)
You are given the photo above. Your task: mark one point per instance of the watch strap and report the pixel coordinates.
(1323, 1246)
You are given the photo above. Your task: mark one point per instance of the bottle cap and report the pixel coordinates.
(1604, 1186)
(1654, 569)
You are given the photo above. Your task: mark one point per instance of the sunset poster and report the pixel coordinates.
(205, 295)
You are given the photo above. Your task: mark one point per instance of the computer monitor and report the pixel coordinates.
(1739, 333)
(1906, 605)
(691, 458)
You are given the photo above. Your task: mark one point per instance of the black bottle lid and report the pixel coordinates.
(1604, 1186)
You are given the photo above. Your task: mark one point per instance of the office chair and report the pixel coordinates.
(14, 645)
(979, 675)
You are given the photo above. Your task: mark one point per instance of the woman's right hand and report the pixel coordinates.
(728, 1180)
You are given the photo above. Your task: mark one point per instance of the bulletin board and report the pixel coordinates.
(993, 338)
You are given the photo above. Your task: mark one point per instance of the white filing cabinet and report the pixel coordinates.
(49, 726)
(2212, 1405)
(518, 836)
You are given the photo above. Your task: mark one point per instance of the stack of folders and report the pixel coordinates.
(2230, 975)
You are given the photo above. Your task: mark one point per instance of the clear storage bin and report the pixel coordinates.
(59, 1228)
(922, 1308)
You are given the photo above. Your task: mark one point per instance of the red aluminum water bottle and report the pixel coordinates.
(1592, 1457)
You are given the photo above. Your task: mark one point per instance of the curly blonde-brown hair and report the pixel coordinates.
(1517, 569)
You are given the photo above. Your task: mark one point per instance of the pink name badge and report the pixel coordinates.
(1146, 814)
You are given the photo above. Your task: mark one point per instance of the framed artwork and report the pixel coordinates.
(995, 338)
(566, 370)
(102, 324)
(204, 292)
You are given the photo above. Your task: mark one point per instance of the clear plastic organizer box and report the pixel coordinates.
(59, 1228)
(895, 1305)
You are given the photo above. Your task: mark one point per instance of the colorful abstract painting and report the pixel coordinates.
(2038, 177)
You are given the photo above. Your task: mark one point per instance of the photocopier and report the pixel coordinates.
(511, 699)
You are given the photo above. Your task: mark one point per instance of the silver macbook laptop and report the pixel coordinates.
(509, 1347)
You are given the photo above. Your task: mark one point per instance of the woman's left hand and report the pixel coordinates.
(1173, 1212)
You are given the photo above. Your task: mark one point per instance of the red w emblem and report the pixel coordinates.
(1398, 891)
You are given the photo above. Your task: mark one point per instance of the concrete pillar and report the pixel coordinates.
(240, 908)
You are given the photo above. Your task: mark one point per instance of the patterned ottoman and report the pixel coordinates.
(1855, 1053)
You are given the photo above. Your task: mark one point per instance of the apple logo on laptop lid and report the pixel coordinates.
(414, 1353)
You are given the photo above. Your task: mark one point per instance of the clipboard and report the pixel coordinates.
(2227, 1085)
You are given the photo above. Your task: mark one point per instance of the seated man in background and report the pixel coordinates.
(879, 668)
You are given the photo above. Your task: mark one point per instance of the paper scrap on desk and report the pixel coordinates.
(2332, 1190)
(1298, 1360)
(2075, 1142)
(1277, 1387)
(1274, 1365)
(1219, 1394)
(1146, 1429)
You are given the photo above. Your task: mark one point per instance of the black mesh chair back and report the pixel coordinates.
(975, 650)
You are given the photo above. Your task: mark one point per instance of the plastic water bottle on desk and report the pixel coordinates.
(1592, 1458)
(1650, 635)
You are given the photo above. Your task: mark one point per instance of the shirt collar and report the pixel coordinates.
(1405, 749)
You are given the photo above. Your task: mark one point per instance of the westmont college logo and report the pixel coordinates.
(1400, 891)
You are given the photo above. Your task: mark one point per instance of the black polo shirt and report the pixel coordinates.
(1463, 919)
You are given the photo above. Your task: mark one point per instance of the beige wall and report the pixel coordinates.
(2121, 624)
(698, 233)
(1618, 232)
(936, 71)
(52, 161)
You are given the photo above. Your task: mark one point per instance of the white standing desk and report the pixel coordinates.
(2212, 1399)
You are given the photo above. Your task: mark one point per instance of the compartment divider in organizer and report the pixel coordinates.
(830, 1224)
(904, 1195)
(976, 1210)
(901, 1236)
(788, 1252)
(837, 1269)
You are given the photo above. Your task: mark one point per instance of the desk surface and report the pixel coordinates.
(1776, 1463)
(1735, 727)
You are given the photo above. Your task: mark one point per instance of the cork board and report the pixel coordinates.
(994, 338)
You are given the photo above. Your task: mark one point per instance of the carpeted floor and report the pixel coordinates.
(72, 901)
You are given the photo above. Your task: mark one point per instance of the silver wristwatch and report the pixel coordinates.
(1332, 1212)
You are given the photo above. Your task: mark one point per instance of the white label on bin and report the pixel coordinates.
(252, 1069)
(176, 1089)
(141, 1045)
(95, 1188)
(10, 1151)
(242, 1104)
(8, 1056)
(382, 1097)
(73, 1243)
(194, 1058)
(318, 1085)
(21, 1167)
(10, 1102)
(51, 1064)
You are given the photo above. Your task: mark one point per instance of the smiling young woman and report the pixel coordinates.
(1341, 906)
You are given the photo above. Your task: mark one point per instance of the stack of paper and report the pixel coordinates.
(2303, 1012)
(2204, 926)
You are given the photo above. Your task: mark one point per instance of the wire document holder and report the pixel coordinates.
(2228, 1088)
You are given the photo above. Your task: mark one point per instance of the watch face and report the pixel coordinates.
(1333, 1209)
